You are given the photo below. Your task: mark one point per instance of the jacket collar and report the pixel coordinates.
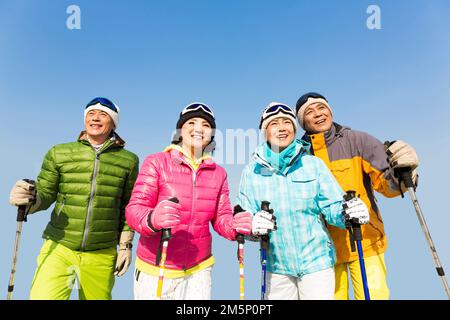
(114, 138)
(179, 157)
(330, 136)
(302, 148)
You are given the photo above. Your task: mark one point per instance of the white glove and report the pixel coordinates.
(355, 210)
(262, 223)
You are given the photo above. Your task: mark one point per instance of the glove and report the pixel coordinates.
(124, 253)
(24, 193)
(402, 155)
(166, 215)
(355, 210)
(262, 223)
(242, 223)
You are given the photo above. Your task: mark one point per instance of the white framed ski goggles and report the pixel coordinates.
(197, 106)
(275, 109)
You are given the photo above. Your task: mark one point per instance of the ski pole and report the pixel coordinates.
(240, 255)
(264, 247)
(21, 218)
(356, 236)
(405, 175)
(166, 235)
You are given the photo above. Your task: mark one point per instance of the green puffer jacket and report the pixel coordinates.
(91, 191)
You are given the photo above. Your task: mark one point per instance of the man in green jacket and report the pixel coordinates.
(91, 181)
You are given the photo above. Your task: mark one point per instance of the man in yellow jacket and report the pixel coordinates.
(359, 162)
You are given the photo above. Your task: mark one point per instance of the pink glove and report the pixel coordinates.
(242, 223)
(166, 215)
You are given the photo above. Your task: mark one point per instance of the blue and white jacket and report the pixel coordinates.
(303, 197)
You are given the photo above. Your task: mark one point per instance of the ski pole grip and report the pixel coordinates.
(265, 206)
(167, 233)
(349, 195)
(21, 213)
(240, 237)
(405, 175)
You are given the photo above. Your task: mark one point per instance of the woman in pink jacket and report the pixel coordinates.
(185, 171)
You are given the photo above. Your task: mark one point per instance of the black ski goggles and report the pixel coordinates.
(197, 106)
(104, 102)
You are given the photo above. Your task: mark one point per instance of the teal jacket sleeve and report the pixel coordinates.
(330, 196)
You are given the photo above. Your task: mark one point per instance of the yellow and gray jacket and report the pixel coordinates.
(358, 161)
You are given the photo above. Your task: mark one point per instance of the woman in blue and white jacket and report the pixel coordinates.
(304, 196)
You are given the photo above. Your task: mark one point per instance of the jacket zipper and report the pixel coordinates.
(91, 198)
(194, 182)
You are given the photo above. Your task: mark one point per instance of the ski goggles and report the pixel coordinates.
(269, 111)
(104, 102)
(197, 106)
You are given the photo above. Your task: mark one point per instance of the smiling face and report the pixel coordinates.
(317, 118)
(98, 125)
(196, 135)
(280, 133)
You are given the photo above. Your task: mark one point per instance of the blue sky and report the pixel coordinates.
(154, 57)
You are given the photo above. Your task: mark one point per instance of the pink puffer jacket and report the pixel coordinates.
(204, 198)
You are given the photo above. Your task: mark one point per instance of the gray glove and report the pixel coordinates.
(23, 193)
(124, 253)
(402, 155)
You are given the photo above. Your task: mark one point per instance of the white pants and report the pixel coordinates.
(315, 286)
(194, 287)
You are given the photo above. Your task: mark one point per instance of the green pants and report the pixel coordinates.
(59, 267)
